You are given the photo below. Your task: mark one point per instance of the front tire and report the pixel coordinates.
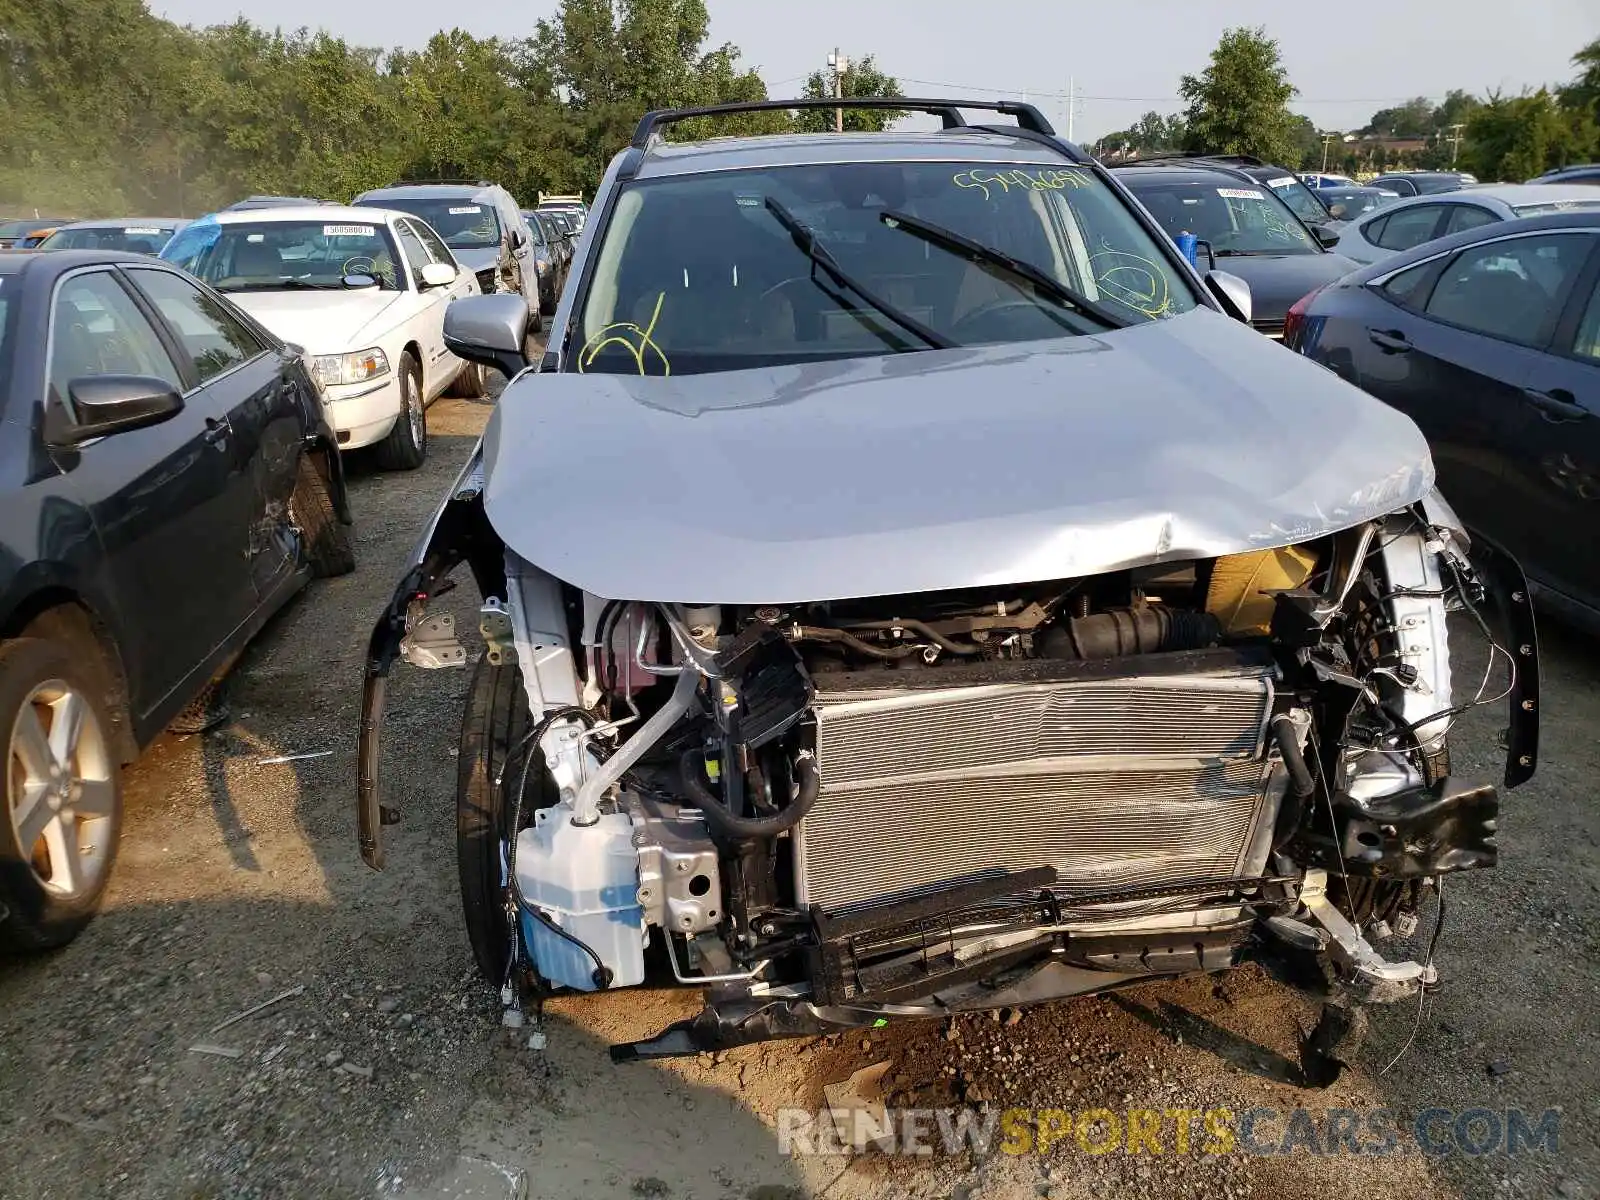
(493, 727)
(63, 795)
(327, 541)
(407, 443)
(470, 385)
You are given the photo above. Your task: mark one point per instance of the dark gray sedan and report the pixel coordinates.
(167, 483)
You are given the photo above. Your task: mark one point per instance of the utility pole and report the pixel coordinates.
(1072, 103)
(1327, 140)
(1455, 142)
(838, 65)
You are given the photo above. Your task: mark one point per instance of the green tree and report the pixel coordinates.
(863, 79)
(1584, 91)
(1515, 138)
(1239, 104)
(1413, 119)
(1150, 134)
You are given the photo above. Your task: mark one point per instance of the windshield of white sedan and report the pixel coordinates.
(738, 269)
(463, 224)
(1235, 218)
(271, 256)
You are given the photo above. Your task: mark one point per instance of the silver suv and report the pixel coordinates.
(909, 587)
(483, 227)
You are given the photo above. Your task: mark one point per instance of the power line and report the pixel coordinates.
(968, 87)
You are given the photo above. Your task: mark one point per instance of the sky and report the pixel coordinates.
(1120, 59)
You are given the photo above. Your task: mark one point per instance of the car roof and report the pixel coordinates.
(123, 222)
(1506, 193)
(1421, 175)
(426, 191)
(366, 214)
(803, 149)
(58, 262)
(1190, 171)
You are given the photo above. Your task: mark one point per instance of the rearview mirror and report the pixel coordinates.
(357, 282)
(1232, 293)
(106, 404)
(437, 274)
(489, 330)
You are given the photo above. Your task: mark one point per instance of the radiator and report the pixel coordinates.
(1122, 781)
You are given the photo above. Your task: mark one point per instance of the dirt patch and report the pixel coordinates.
(389, 1074)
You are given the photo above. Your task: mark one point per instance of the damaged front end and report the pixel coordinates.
(831, 814)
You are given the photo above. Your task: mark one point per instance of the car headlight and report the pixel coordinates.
(331, 370)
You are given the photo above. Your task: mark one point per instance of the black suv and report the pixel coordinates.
(1239, 219)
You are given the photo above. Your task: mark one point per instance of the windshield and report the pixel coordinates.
(140, 239)
(1233, 218)
(265, 256)
(463, 224)
(1299, 199)
(712, 272)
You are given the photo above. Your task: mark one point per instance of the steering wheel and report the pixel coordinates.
(993, 321)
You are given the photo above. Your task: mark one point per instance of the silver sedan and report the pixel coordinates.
(1402, 224)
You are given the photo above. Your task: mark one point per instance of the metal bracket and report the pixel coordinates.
(1380, 981)
(431, 642)
(499, 636)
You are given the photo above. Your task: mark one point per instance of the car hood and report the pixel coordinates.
(1278, 280)
(322, 322)
(979, 466)
(477, 260)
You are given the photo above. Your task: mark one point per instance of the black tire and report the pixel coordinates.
(34, 916)
(469, 385)
(407, 443)
(327, 541)
(492, 728)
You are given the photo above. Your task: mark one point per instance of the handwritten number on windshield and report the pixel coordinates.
(635, 340)
(1043, 180)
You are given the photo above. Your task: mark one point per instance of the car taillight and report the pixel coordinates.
(1294, 320)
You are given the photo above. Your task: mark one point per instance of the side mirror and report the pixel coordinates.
(435, 275)
(1232, 293)
(106, 404)
(517, 240)
(1328, 237)
(489, 330)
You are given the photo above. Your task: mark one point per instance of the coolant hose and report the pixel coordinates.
(1301, 786)
(692, 767)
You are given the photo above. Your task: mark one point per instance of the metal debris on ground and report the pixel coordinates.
(265, 1004)
(351, 1068)
(217, 1051)
(289, 758)
(273, 1053)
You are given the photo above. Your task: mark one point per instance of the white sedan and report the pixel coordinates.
(363, 292)
(1402, 224)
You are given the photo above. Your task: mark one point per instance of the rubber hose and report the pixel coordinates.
(1301, 785)
(927, 631)
(692, 768)
(825, 633)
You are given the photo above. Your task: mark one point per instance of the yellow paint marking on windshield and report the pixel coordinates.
(1132, 281)
(1044, 180)
(617, 334)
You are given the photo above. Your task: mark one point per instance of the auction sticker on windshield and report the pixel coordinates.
(348, 231)
(465, 209)
(131, 229)
(1281, 181)
(1240, 193)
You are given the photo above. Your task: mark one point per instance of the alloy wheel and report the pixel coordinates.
(60, 791)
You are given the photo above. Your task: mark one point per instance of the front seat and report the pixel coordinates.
(257, 260)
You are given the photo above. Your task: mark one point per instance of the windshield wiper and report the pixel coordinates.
(1014, 268)
(806, 239)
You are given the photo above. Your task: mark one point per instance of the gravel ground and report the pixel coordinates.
(384, 1072)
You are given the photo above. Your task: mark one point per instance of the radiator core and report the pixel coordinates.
(1126, 781)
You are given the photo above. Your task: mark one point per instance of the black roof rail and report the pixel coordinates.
(1195, 161)
(1180, 156)
(949, 111)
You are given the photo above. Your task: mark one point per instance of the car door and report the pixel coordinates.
(1553, 469)
(1407, 228)
(522, 251)
(165, 499)
(1466, 216)
(427, 323)
(241, 376)
(466, 284)
(1458, 356)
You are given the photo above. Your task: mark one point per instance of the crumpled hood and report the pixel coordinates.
(478, 260)
(321, 322)
(982, 466)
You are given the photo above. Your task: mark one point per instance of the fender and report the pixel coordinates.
(458, 532)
